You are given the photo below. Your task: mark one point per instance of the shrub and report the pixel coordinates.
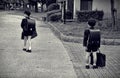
(52, 12)
(69, 14)
(48, 2)
(55, 17)
(2, 6)
(53, 6)
(83, 16)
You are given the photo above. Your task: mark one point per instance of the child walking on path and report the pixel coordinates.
(91, 46)
(29, 31)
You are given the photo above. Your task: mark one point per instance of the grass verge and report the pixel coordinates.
(73, 32)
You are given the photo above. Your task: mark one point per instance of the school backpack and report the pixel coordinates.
(30, 23)
(94, 38)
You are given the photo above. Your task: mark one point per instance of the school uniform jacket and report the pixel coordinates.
(31, 29)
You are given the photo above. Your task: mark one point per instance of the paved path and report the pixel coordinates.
(111, 70)
(48, 59)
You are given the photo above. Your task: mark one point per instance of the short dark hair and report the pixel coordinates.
(27, 13)
(92, 22)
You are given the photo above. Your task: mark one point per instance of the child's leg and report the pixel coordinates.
(87, 58)
(29, 42)
(25, 42)
(94, 58)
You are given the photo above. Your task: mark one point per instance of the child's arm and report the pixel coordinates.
(85, 39)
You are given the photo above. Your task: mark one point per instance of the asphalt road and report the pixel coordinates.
(48, 59)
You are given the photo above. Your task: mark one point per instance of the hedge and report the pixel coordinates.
(53, 6)
(83, 16)
(55, 17)
(52, 12)
(68, 14)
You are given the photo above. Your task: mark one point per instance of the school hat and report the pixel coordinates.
(91, 22)
(27, 13)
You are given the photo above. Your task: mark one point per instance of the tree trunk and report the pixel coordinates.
(112, 14)
(25, 6)
(36, 7)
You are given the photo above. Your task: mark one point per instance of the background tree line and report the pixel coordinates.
(24, 3)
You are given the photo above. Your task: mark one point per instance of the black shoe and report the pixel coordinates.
(87, 66)
(95, 67)
(24, 49)
(28, 51)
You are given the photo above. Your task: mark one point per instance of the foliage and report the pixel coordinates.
(55, 17)
(52, 12)
(69, 14)
(83, 16)
(48, 2)
(2, 6)
(53, 6)
(42, 1)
